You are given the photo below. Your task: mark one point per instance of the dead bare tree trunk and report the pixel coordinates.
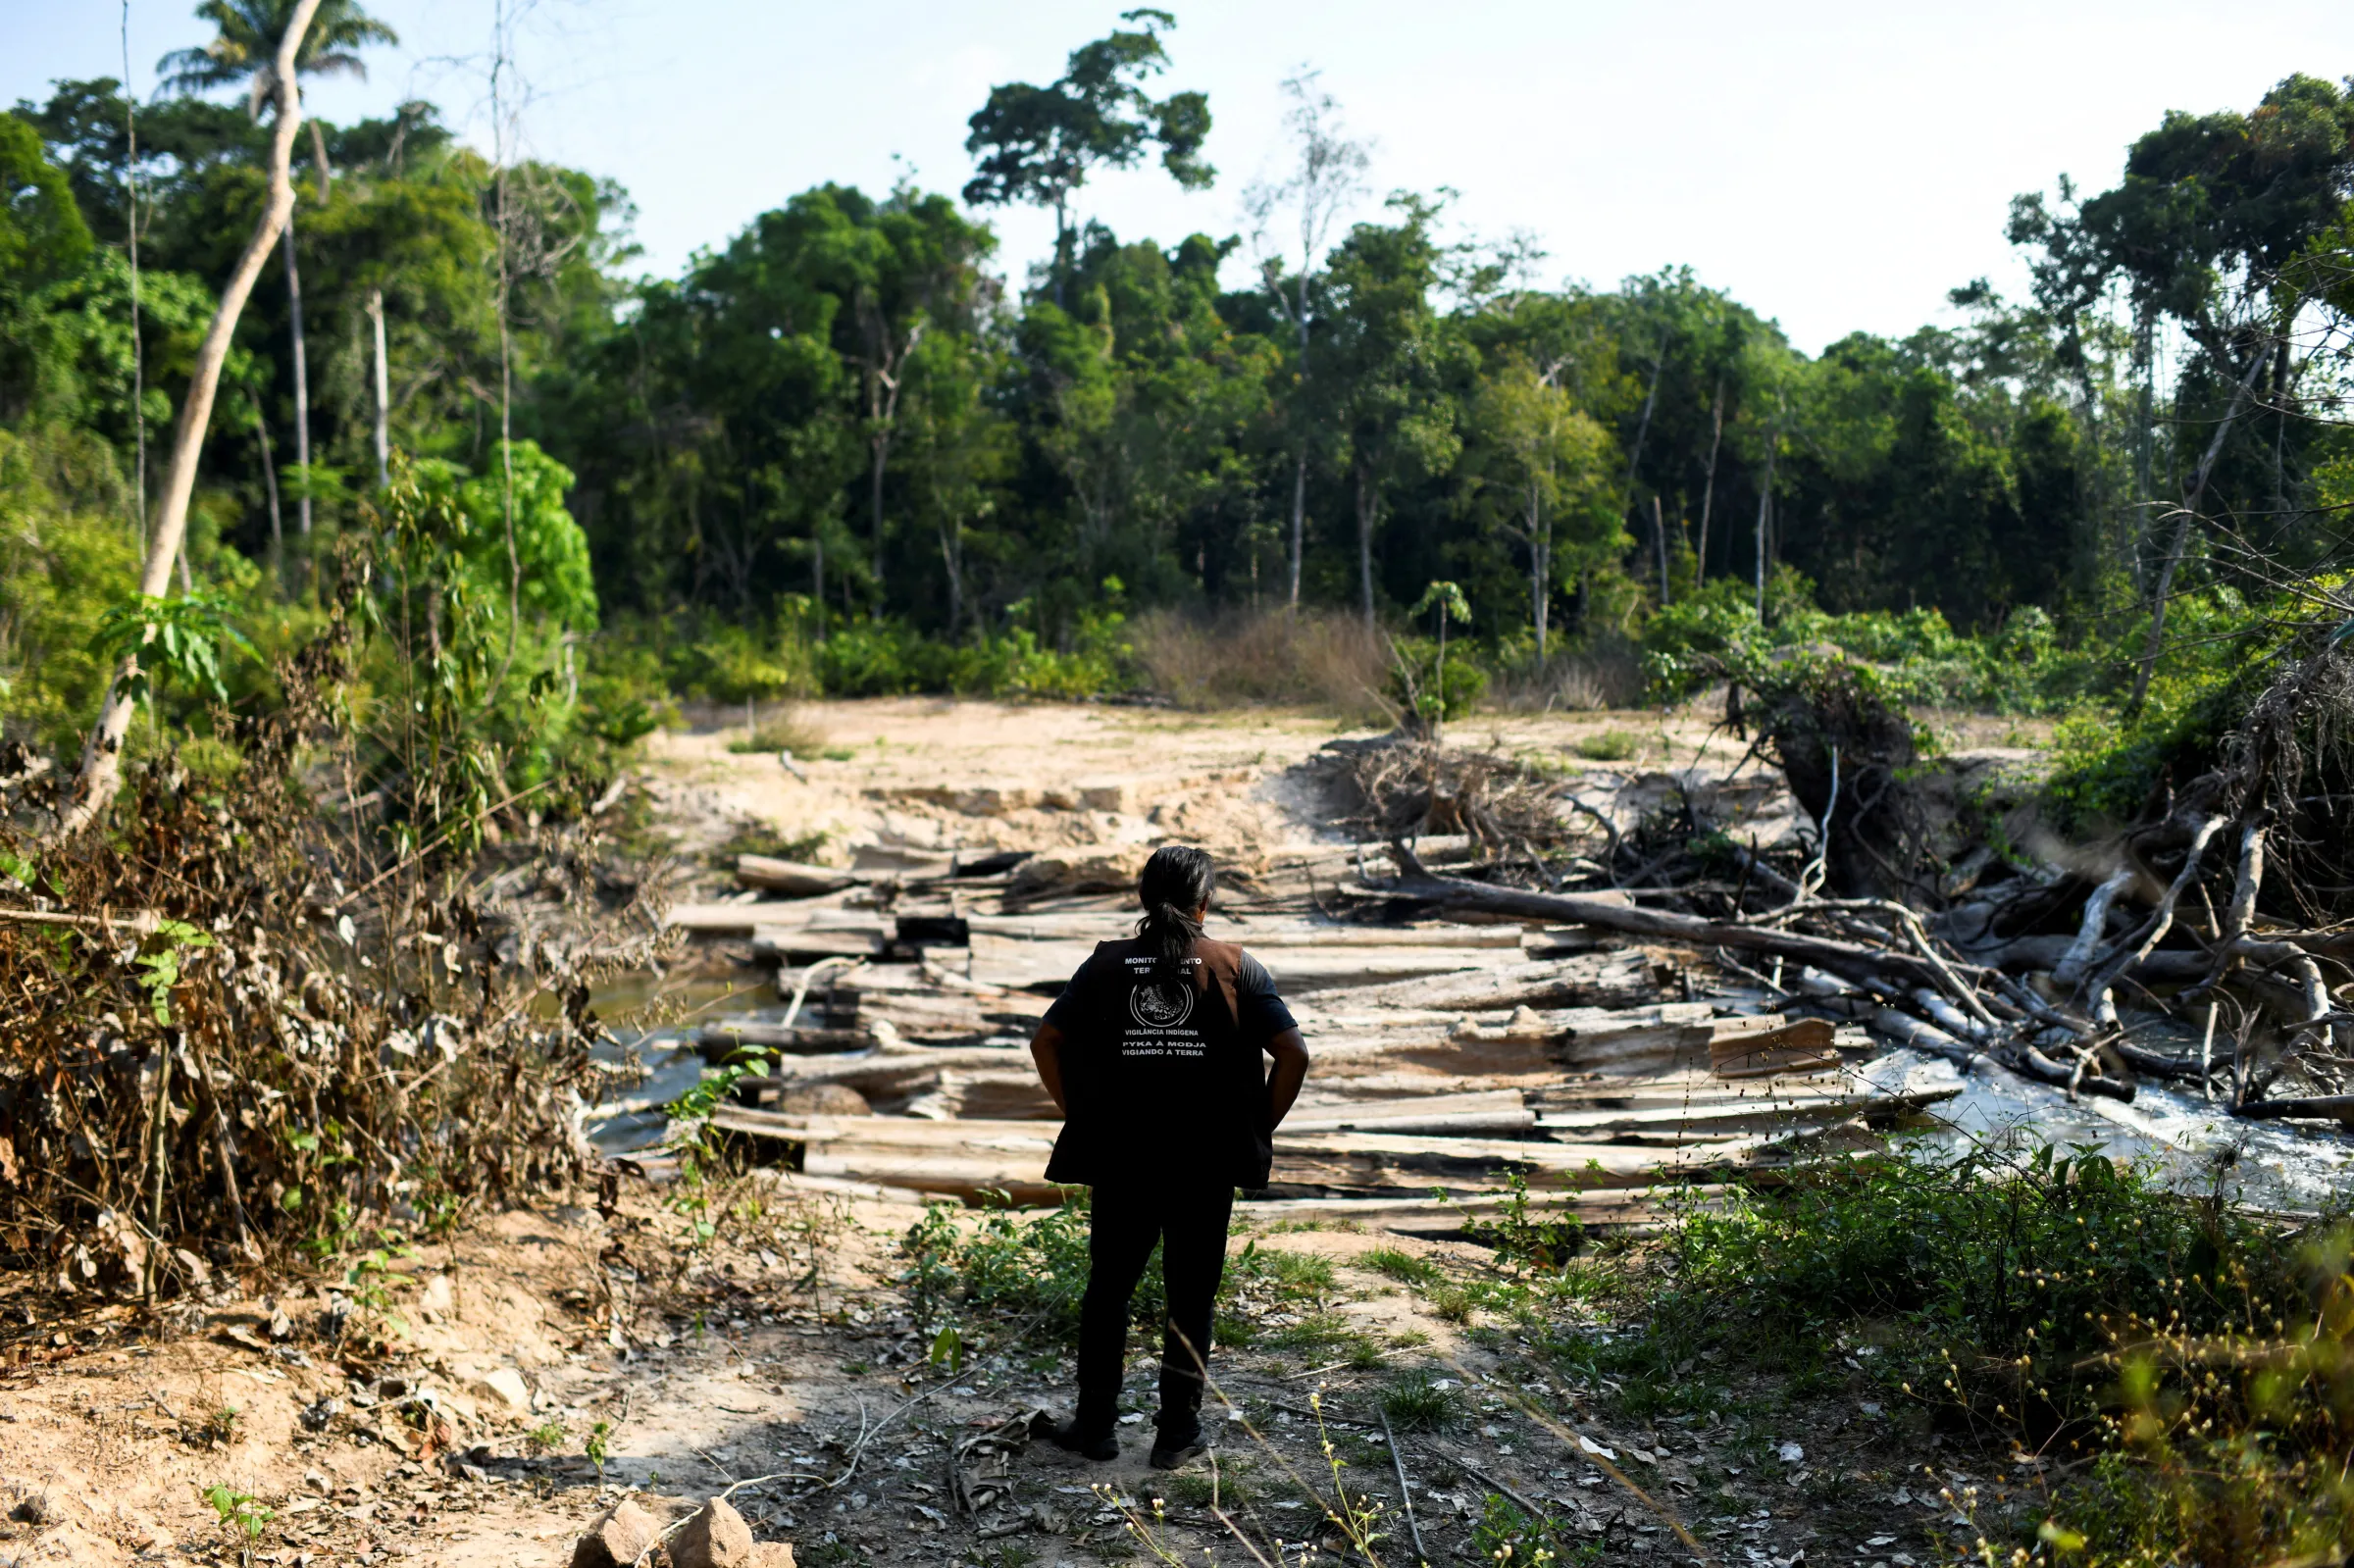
(102, 757)
(384, 392)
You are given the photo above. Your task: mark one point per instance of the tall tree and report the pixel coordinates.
(1533, 462)
(244, 51)
(1037, 145)
(2213, 209)
(101, 773)
(1386, 390)
(1329, 173)
(902, 268)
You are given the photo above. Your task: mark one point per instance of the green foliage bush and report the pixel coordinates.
(2221, 652)
(705, 657)
(1416, 684)
(2194, 1355)
(1921, 659)
(67, 554)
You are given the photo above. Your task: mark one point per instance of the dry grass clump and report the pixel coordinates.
(1607, 673)
(1312, 658)
(781, 727)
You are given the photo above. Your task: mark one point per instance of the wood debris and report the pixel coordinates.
(1454, 1057)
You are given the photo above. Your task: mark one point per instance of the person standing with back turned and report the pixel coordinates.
(1155, 1056)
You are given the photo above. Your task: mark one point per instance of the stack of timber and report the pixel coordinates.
(1451, 1056)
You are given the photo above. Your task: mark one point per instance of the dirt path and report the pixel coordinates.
(920, 774)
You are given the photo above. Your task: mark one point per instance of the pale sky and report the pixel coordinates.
(1836, 166)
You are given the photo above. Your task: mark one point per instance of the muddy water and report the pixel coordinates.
(2180, 1139)
(652, 1020)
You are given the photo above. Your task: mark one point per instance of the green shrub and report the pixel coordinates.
(2194, 1354)
(1401, 1266)
(1415, 679)
(1716, 633)
(1416, 1403)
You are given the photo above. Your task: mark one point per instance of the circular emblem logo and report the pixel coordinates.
(1162, 1006)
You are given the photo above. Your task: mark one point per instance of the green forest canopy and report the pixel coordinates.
(843, 419)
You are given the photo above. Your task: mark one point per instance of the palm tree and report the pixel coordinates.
(243, 50)
(247, 42)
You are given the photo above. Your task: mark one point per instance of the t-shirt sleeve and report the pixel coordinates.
(1263, 1014)
(1063, 1012)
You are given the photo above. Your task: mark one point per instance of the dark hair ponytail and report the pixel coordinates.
(1177, 880)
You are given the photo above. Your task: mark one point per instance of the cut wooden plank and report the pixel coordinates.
(1007, 1096)
(1599, 1164)
(1805, 1045)
(1738, 1115)
(1437, 1124)
(1613, 979)
(1395, 1158)
(792, 878)
(1600, 1207)
(717, 920)
(1321, 1106)
(884, 1073)
(804, 944)
(1017, 964)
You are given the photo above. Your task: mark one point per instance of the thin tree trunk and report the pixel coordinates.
(326, 173)
(277, 537)
(1300, 460)
(1634, 460)
(817, 555)
(1538, 563)
(952, 552)
(1299, 523)
(1658, 533)
(383, 391)
(302, 382)
(138, 358)
(881, 451)
(1707, 493)
(102, 757)
(2192, 494)
(1773, 450)
(1364, 540)
(1062, 230)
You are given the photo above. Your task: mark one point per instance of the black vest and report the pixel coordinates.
(1161, 1083)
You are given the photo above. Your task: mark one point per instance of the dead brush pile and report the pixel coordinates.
(1409, 787)
(237, 1026)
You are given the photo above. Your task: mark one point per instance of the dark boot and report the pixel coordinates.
(1088, 1438)
(1174, 1449)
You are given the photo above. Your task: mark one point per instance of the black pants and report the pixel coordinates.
(1189, 1221)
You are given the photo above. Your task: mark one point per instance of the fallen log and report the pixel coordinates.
(1850, 960)
(718, 1042)
(2319, 1107)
